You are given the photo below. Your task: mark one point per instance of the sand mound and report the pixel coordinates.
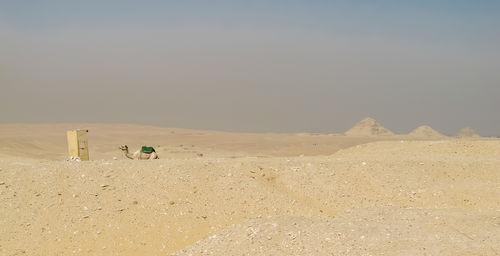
(44, 141)
(125, 207)
(364, 232)
(368, 127)
(468, 132)
(426, 132)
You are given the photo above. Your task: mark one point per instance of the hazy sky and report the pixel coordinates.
(262, 66)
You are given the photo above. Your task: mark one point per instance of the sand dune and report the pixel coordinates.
(382, 231)
(278, 194)
(48, 141)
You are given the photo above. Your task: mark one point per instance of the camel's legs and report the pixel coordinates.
(153, 155)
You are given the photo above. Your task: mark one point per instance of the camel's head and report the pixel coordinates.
(123, 147)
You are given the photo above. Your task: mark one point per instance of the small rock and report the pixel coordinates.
(2, 183)
(104, 185)
(115, 158)
(171, 203)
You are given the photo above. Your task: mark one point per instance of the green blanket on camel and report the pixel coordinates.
(148, 150)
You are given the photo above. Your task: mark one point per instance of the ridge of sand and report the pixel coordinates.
(48, 141)
(426, 132)
(360, 232)
(158, 207)
(468, 132)
(126, 207)
(368, 127)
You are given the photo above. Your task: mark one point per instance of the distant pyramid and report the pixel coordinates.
(468, 132)
(368, 127)
(426, 132)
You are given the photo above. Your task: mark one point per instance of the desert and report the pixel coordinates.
(259, 128)
(365, 192)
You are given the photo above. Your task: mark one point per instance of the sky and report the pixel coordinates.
(253, 66)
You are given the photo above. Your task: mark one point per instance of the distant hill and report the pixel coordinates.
(426, 132)
(368, 127)
(48, 141)
(468, 132)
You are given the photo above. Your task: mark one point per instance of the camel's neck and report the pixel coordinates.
(125, 152)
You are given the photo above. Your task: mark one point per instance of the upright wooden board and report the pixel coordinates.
(72, 143)
(83, 149)
(78, 144)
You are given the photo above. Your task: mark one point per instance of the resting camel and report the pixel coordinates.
(138, 154)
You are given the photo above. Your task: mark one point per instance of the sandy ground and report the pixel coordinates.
(217, 193)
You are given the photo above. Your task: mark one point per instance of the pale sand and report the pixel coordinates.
(249, 194)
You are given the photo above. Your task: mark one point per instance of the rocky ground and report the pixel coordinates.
(394, 197)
